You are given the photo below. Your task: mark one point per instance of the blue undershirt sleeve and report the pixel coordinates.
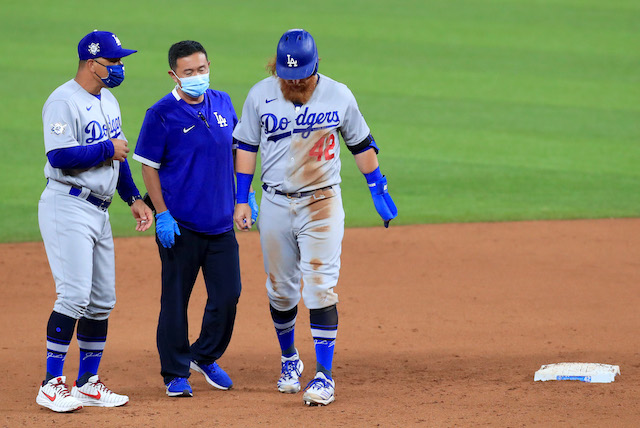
(126, 187)
(80, 157)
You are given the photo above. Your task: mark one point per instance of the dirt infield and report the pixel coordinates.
(440, 325)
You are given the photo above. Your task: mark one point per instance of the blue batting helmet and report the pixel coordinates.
(297, 55)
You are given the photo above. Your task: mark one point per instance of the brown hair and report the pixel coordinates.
(271, 66)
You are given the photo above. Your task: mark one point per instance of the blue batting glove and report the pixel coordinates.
(254, 206)
(166, 229)
(382, 200)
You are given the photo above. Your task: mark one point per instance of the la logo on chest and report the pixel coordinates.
(222, 122)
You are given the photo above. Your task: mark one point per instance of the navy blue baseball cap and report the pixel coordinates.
(101, 44)
(297, 55)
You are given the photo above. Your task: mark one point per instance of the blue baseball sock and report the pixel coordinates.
(285, 324)
(92, 335)
(59, 333)
(324, 329)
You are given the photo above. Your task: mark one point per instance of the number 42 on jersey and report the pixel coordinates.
(324, 147)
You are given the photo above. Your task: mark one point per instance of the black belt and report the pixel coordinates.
(294, 195)
(100, 203)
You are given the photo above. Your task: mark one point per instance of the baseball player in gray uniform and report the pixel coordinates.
(295, 118)
(86, 162)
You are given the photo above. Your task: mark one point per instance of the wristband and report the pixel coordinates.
(244, 182)
(373, 176)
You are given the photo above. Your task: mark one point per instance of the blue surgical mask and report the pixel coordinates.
(115, 76)
(194, 86)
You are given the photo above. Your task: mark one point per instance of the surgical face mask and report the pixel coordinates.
(194, 86)
(115, 76)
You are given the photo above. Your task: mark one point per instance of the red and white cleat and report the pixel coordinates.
(95, 393)
(55, 395)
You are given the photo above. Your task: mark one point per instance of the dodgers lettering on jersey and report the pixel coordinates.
(71, 116)
(305, 123)
(301, 144)
(98, 131)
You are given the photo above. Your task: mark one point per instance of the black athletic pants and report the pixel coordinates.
(217, 255)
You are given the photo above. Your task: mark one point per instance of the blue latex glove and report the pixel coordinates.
(254, 207)
(382, 200)
(166, 229)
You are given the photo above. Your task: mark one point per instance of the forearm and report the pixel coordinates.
(235, 151)
(245, 167)
(245, 162)
(80, 157)
(366, 161)
(126, 186)
(152, 183)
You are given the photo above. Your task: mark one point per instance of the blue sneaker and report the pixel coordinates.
(213, 374)
(179, 387)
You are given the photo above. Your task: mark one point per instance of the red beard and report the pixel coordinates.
(300, 93)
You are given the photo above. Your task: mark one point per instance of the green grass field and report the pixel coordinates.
(485, 110)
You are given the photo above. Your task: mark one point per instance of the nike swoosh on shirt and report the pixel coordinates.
(185, 130)
(268, 101)
(96, 396)
(89, 108)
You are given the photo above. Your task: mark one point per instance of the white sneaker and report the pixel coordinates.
(95, 393)
(55, 395)
(292, 367)
(320, 391)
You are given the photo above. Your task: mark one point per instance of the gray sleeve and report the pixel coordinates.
(354, 128)
(248, 128)
(59, 125)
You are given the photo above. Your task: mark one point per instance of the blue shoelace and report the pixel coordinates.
(289, 367)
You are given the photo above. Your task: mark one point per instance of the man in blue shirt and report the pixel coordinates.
(185, 146)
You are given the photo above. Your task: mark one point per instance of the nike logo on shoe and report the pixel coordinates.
(49, 397)
(96, 396)
(268, 101)
(185, 130)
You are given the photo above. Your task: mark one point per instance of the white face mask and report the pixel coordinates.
(194, 86)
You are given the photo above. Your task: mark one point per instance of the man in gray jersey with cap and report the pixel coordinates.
(86, 163)
(295, 118)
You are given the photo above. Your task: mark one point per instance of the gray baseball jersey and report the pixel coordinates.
(77, 234)
(299, 146)
(301, 237)
(72, 116)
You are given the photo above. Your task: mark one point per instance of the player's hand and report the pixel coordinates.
(143, 215)
(166, 229)
(255, 209)
(242, 217)
(382, 200)
(120, 149)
